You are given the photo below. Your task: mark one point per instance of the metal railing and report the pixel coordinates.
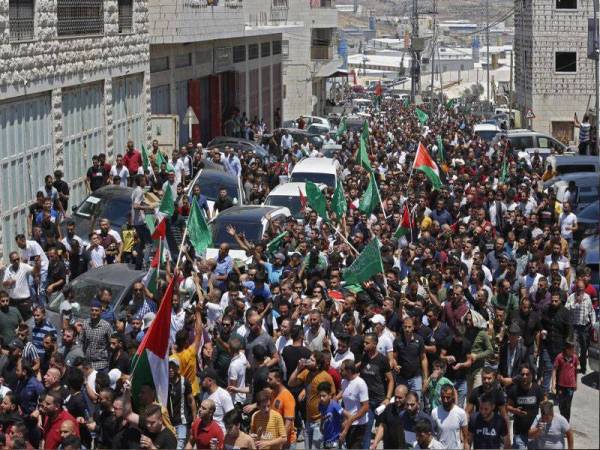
(80, 17)
(125, 16)
(21, 21)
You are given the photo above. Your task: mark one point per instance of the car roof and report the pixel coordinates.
(215, 175)
(575, 159)
(115, 274)
(225, 139)
(591, 245)
(113, 191)
(290, 189)
(580, 178)
(486, 127)
(247, 213)
(318, 165)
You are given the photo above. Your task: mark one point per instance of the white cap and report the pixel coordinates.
(114, 376)
(378, 318)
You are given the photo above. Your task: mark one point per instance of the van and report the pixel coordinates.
(566, 164)
(317, 170)
(521, 139)
(486, 131)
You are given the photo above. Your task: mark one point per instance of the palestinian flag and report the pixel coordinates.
(150, 364)
(406, 223)
(425, 164)
(160, 231)
(378, 93)
(303, 201)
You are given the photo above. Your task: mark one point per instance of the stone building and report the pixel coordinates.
(553, 75)
(74, 82)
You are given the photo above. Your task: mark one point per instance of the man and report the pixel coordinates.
(451, 421)
(155, 435)
(513, 354)
(180, 404)
(132, 158)
(70, 348)
(409, 362)
(205, 429)
(283, 402)
(95, 337)
(375, 370)
(385, 338)
(96, 253)
(15, 280)
(52, 383)
(258, 336)
(583, 318)
(119, 358)
(57, 273)
(10, 318)
(222, 202)
(62, 187)
(355, 395)
(425, 439)
(267, 424)
(96, 175)
(41, 327)
(119, 170)
(142, 304)
(487, 429)
(232, 163)
(104, 422)
(53, 417)
(315, 333)
(110, 240)
(220, 397)
(286, 142)
(310, 373)
(138, 215)
(489, 387)
(67, 430)
(389, 426)
(186, 353)
(524, 399)
(126, 435)
(33, 254)
(550, 429)
(201, 200)
(236, 374)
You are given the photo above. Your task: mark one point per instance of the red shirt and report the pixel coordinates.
(337, 378)
(52, 437)
(566, 370)
(132, 161)
(202, 433)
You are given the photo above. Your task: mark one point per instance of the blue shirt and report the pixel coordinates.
(224, 265)
(331, 420)
(274, 273)
(202, 202)
(233, 165)
(40, 216)
(109, 315)
(38, 334)
(442, 217)
(28, 392)
(145, 308)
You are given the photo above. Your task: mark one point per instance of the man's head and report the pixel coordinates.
(275, 379)
(325, 393)
(67, 428)
(263, 401)
(424, 433)
(526, 375)
(51, 405)
(488, 377)
(447, 397)
(547, 411)
(486, 406)
(39, 315)
(147, 394)
(400, 394)
(15, 260)
(153, 416)
(207, 409)
(52, 378)
(412, 403)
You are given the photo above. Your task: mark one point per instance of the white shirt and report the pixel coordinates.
(385, 343)
(236, 375)
(65, 242)
(31, 250)
(339, 358)
(449, 424)
(433, 445)
(114, 234)
(97, 257)
(121, 172)
(21, 287)
(223, 404)
(177, 322)
(567, 223)
(354, 392)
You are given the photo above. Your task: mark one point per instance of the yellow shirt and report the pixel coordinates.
(268, 427)
(187, 367)
(128, 240)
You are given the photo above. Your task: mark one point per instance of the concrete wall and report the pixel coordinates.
(540, 31)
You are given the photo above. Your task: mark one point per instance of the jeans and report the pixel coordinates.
(366, 440)
(461, 390)
(312, 435)
(520, 441)
(355, 435)
(181, 431)
(414, 384)
(546, 364)
(582, 333)
(565, 397)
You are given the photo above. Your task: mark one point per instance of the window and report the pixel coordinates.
(566, 4)
(253, 51)
(125, 16)
(565, 62)
(239, 53)
(80, 17)
(280, 3)
(277, 47)
(285, 48)
(183, 60)
(159, 64)
(20, 13)
(265, 49)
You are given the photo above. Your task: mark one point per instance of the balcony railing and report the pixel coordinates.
(322, 3)
(321, 52)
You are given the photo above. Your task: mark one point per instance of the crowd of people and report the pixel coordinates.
(470, 335)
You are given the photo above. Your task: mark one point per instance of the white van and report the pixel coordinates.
(317, 170)
(288, 196)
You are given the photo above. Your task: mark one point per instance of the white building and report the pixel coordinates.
(553, 75)
(74, 82)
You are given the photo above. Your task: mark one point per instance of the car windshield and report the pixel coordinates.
(210, 188)
(116, 210)
(316, 177)
(252, 231)
(573, 168)
(487, 135)
(84, 291)
(292, 202)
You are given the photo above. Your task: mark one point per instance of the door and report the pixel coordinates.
(26, 156)
(129, 111)
(83, 125)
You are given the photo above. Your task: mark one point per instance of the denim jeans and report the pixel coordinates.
(461, 390)
(181, 431)
(546, 364)
(582, 333)
(366, 441)
(414, 384)
(312, 435)
(520, 441)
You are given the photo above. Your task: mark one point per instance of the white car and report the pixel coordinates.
(487, 131)
(288, 195)
(317, 170)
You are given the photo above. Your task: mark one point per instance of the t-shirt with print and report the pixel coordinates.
(331, 421)
(285, 404)
(373, 371)
(527, 399)
(487, 434)
(553, 433)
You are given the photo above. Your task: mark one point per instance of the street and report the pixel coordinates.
(584, 413)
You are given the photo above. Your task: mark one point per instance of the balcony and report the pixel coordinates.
(321, 52)
(322, 3)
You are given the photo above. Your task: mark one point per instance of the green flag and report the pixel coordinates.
(440, 145)
(275, 243)
(145, 159)
(160, 160)
(149, 220)
(167, 205)
(405, 102)
(362, 156)
(450, 103)
(316, 200)
(364, 134)
(342, 128)
(367, 264)
(197, 230)
(421, 116)
(338, 202)
(504, 176)
(370, 199)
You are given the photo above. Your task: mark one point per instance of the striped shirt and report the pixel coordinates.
(38, 333)
(268, 426)
(30, 353)
(584, 132)
(580, 309)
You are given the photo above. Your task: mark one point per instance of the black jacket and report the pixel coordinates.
(520, 358)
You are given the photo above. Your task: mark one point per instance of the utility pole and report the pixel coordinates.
(510, 88)
(597, 67)
(415, 70)
(487, 43)
(433, 47)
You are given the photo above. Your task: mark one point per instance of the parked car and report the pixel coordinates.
(567, 164)
(588, 185)
(330, 150)
(110, 202)
(288, 195)
(251, 220)
(317, 170)
(211, 181)
(486, 131)
(521, 139)
(588, 220)
(317, 128)
(244, 145)
(118, 277)
(355, 123)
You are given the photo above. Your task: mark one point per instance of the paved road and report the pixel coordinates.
(585, 412)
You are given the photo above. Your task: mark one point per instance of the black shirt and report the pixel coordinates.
(357, 346)
(459, 349)
(408, 355)
(527, 399)
(487, 434)
(393, 431)
(126, 437)
(291, 355)
(373, 371)
(63, 188)
(496, 393)
(120, 362)
(175, 399)
(96, 177)
(529, 324)
(165, 439)
(56, 271)
(221, 204)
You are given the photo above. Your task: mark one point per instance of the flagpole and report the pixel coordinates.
(181, 246)
(337, 230)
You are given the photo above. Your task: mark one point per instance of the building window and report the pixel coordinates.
(79, 17)
(20, 13)
(285, 48)
(566, 4)
(277, 47)
(565, 62)
(159, 64)
(239, 53)
(253, 51)
(125, 16)
(265, 49)
(183, 60)
(280, 3)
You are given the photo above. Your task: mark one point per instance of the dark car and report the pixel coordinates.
(588, 220)
(111, 202)
(244, 145)
(298, 136)
(118, 277)
(212, 180)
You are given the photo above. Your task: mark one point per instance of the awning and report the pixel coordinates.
(331, 69)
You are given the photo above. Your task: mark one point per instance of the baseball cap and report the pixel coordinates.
(378, 318)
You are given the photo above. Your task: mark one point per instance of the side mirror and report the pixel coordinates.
(73, 208)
